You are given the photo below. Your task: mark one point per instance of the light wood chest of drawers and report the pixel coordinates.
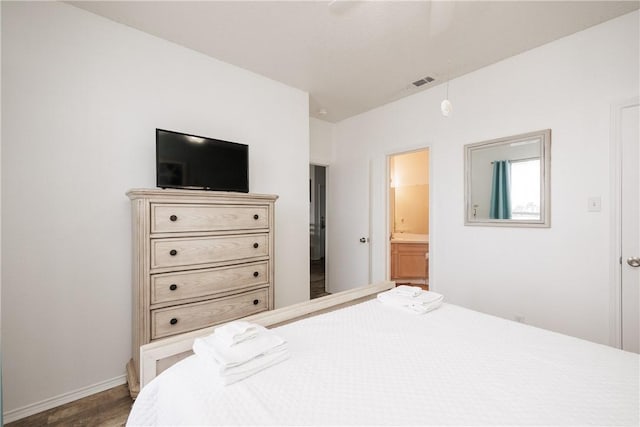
(199, 258)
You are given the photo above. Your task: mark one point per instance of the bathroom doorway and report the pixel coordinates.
(409, 218)
(317, 230)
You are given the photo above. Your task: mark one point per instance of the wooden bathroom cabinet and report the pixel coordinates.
(410, 262)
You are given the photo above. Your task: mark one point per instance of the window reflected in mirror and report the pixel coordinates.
(507, 181)
(525, 189)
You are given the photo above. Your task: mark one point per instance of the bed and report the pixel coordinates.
(370, 364)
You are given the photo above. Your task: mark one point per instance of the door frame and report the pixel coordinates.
(615, 259)
(388, 155)
(327, 168)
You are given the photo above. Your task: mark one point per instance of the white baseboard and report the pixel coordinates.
(52, 402)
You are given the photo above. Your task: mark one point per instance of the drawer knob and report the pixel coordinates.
(173, 287)
(173, 218)
(256, 274)
(255, 245)
(256, 216)
(255, 302)
(173, 321)
(173, 252)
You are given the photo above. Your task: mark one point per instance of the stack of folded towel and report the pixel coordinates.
(412, 299)
(240, 349)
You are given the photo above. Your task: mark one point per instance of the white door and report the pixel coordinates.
(348, 241)
(630, 227)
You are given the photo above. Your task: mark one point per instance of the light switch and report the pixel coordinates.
(594, 204)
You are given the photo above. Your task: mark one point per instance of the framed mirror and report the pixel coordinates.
(507, 181)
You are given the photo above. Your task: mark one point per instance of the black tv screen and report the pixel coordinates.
(189, 161)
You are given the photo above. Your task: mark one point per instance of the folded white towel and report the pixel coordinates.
(237, 332)
(425, 302)
(226, 356)
(424, 297)
(252, 367)
(232, 363)
(409, 291)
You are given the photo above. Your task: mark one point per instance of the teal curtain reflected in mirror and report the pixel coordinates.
(501, 190)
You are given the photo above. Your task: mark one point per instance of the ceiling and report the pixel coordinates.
(355, 56)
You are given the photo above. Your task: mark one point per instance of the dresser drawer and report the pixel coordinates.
(170, 287)
(172, 218)
(189, 317)
(204, 250)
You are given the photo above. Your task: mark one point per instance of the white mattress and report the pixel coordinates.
(370, 364)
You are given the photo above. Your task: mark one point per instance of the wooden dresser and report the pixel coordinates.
(199, 258)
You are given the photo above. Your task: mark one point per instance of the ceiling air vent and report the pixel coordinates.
(423, 81)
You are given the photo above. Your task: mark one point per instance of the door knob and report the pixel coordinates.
(634, 261)
(363, 240)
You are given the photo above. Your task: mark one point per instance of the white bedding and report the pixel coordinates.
(370, 364)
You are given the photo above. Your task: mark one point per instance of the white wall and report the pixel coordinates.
(409, 196)
(556, 278)
(320, 142)
(81, 99)
(410, 169)
(321, 152)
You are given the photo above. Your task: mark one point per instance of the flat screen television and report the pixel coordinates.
(195, 162)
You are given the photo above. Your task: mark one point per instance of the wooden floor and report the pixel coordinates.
(317, 279)
(109, 408)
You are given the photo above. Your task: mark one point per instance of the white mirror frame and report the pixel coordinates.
(545, 182)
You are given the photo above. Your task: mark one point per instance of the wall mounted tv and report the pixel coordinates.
(195, 162)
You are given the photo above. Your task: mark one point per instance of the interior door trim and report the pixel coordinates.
(615, 258)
